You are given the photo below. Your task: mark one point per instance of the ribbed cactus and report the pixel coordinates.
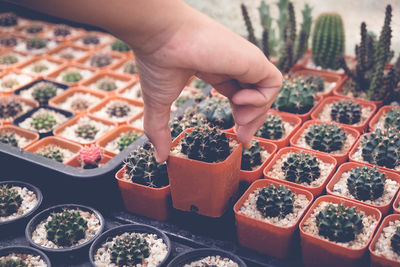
(315, 80)
(9, 108)
(395, 241)
(130, 250)
(187, 120)
(217, 111)
(91, 39)
(118, 109)
(72, 76)
(43, 91)
(346, 111)
(34, 28)
(36, 43)
(62, 30)
(10, 201)
(325, 137)
(392, 119)
(8, 40)
(43, 121)
(86, 131)
(328, 41)
(8, 138)
(301, 168)
(107, 84)
(129, 67)
(126, 139)
(275, 201)
(79, 104)
(272, 128)
(100, 60)
(51, 152)
(8, 59)
(8, 19)
(366, 183)
(251, 157)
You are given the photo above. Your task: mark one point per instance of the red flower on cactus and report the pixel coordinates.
(90, 156)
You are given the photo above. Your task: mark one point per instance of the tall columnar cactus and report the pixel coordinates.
(366, 183)
(9, 108)
(51, 152)
(346, 111)
(339, 223)
(328, 42)
(325, 137)
(251, 157)
(301, 168)
(90, 156)
(129, 250)
(275, 201)
(126, 139)
(217, 111)
(249, 25)
(43, 91)
(272, 128)
(395, 241)
(392, 119)
(8, 138)
(10, 201)
(43, 122)
(86, 131)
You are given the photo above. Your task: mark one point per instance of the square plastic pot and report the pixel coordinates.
(32, 104)
(22, 132)
(116, 58)
(130, 85)
(55, 53)
(22, 57)
(381, 112)
(56, 75)
(15, 88)
(395, 205)
(22, 67)
(126, 79)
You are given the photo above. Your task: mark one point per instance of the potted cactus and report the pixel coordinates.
(326, 138)
(35, 28)
(35, 45)
(120, 46)
(308, 170)
(69, 52)
(387, 117)
(9, 20)
(93, 40)
(90, 157)
(71, 74)
(119, 139)
(200, 155)
(144, 184)
(108, 82)
(41, 91)
(188, 119)
(10, 41)
(11, 59)
(62, 32)
(217, 112)
(369, 185)
(12, 106)
(101, 60)
(132, 90)
(41, 66)
(17, 137)
(337, 230)
(267, 216)
(12, 80)
(21, 256)
(126, 67)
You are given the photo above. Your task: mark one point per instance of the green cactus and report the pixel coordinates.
(142, 168)
(9, 83)
(43, 91)
(395, 241)
(8, 138)
(346, 111)
(328, 42)
(275, 201)
(10, 201)
(66, 228)
(339, 223)
(129, 67)
(10, 108)
(36, 43)
(189, 119)
(249, 25)
(272, 128)
(100, 60)
(8, 40)
(366, 183)
(62, 30)
(120, 46)
(392, 119)
(43, 121)
(325, 137)
(316, 82)
(72, 76)
(39, 67)
(8, 19)
(13, 263)
(301, 168)
(199, 83)
(91, 39)
(217, 111)
(126, 139)
(34, 28)
(8, 59)
(107, 84)
(51, 152)
(86, 131)
(382, 148)
(129, 250)
(79, 104)
(251, 157)
(118, 109)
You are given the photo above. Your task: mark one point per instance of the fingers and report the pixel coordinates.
(246, 132)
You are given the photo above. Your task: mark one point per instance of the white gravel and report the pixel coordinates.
(66, 154)
(22, 141)
(213, 261)
(357, 155)
(29, 201)
(21, 79)
(19, 57)
(138, 123)
(134, 92)
(288, 128)
(157, 248)
(103, 38)
(383, 245)
(29, 259)
(113, 144)
(28, 92)
(60, 119)
(69, 53)
(121, 69)
(84, 72)
(102, 113)
(119, 83)
(51, 66)
(325, 114)
(91, 99)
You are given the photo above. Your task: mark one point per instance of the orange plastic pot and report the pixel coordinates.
(364, 104)
(56, 52)
(205, 188)
(55, 75)
(317, 190)
(118, 67)
(381, 112)
(22, 67)
(16, 64)
(384, 209)
(74, 162)
(133, 82)
(126, 79)
(56, 141)
(15, 88)
(115, 133)
(31, 103)
(150, 202)
(395, 205)
(380, 260)
(22, 132)
(341, 158)
(116, 59)
(320, 252)
(264, 237)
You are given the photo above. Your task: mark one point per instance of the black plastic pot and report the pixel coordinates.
(137, 228)
(18, 224)
(25, 250)
(197, 254)
(23, 117)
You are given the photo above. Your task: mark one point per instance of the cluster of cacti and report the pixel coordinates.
(8, 138)
(66, 228)
(107, 84)
(296, 96)
(118, 109)
(62, 30)
(392, 119)
(8, 40)
(272, 128)
(9, 83)
(301, 168)
(34, 28)
(217, 111)
(129, 67)
(72, 76)
(8, 59)
(339, 223)
(275, 201)
(43, 91)
(130, 250)
(79, 104)
(91, 39)
(35, 43)
(316, 82)
(188, 120)
(43, 121)
(382, 148)
(142, 167)
(90, 156)
(39, 67)
(9, 108)
(346, 111)
(120, 46)
(100, 60)
(126, 139)
(10, 201)
(328, 41)
(251, 157)
(8, 19)
(86, 131)
(51, 152)
(366, 183)
(395, 241)
(13, 263)
(325, 137)
(206, 144)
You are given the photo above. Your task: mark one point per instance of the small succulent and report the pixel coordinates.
(72, 76)
(129, 67)
(62, 30)
(43, 91)
(126, 139)
(325, 137)
(39, 67)
(8, 138)
(272, 128)
(10, 201)
(91, 39)
(35, 43)
(90, 156)
(118, 109)
(395, 241)
(43, 121)
(9, 83)
(66, 228)
(51, 152)
(275, 201)
(339, 223)
(79, 104)
(86, 131)
(346, 111)
(366, 183)
(129, 250)
(107, 84)
(301, 168)
(8, 59)
(13, 263)
(8, 40)
(120, 46)
(316, 82)
(217, 112)
(10, 108)
(8, 19)
(34, 28)
(251, 157)
(189, 119)
(392, 119)
(100, 60)
(142, 168)
(67, 55)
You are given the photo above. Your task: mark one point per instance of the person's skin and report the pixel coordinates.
(173, 42)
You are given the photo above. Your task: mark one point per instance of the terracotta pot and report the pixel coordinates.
(56, 75)
(126, 79)
(22, 67)
(364, 104)
(114, 134)
(22, 132)
(341, 158)
(317, 190)
(31, 103)
(15, 88)
(55, 53)
(382, 111)
(381, 260)
(320, 252)
(150, 202)
(116, 58)
(384, 209)
(274, 240)
(205, 188)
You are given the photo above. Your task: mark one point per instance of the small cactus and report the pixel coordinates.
(8, 19)
(62, 30)
(107, 84)
(316, 82)
(8, 138)
(187, 120)
(119, 109)
(275, 201)
(91, 39)
(9, 83)
(10, 108)
(366, 183)
(36, 43)
(51, 152)
(72, 76)
(120, 46)
(39, 67)
(8, 59)
(301, 168)
(13, 263)
(129, 67)
(392, 119)
(130, 250)
(251, 157)
(10, 201)
(217, 112)
(395, 241)
(325, 137)
(272, 128)
(8, 40)
(346, 111)
(86, 131)
(90, 156)
(100, 60)
(34, 28)
(43, 121)
(79, 104)
(43, 91)
(126, 139)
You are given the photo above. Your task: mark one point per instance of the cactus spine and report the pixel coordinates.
(275, 201)
(346, 111)
(325, 137)
(43, 91)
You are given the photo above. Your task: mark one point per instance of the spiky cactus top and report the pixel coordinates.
(90, 156)
(10, 201)
(86, 131)
(316, 81)
(126, 139)
(43, 91)
(100, 60)
(91, 39)
(129, 67)
(8, 138)
(325, 137)
(8, 59)
(346, 111)
(43, 121)
(382, 148)
(13, 263)
(35, 43)
(79, 104)
(8, 19)
(275, 201)
(217, 112)
(272, 128)
(251, 157)
(129, 250)
(107, 84)
(119, 109)
(295, 96)
(62, 30)
(120, 46)
(206, 144)
(301, 168)
(339, 223)
(187, 120)
(392, 119)
(51, 152)
(66, 228)
(395, 241)
(72, 76)
(142, 168)
(9, 108)
(366, 183)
